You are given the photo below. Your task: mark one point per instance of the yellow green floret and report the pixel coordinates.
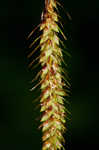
(52, 109)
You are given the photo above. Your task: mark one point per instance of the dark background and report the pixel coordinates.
(17, 129)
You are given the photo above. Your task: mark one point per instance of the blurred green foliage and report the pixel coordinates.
(17, 123)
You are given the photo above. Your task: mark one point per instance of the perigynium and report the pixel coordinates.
(53, 84)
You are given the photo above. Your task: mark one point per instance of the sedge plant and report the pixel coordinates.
(53, 82)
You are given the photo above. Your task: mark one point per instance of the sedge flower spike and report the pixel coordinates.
(52, 82)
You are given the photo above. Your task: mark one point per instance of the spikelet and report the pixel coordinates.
(53, 120)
